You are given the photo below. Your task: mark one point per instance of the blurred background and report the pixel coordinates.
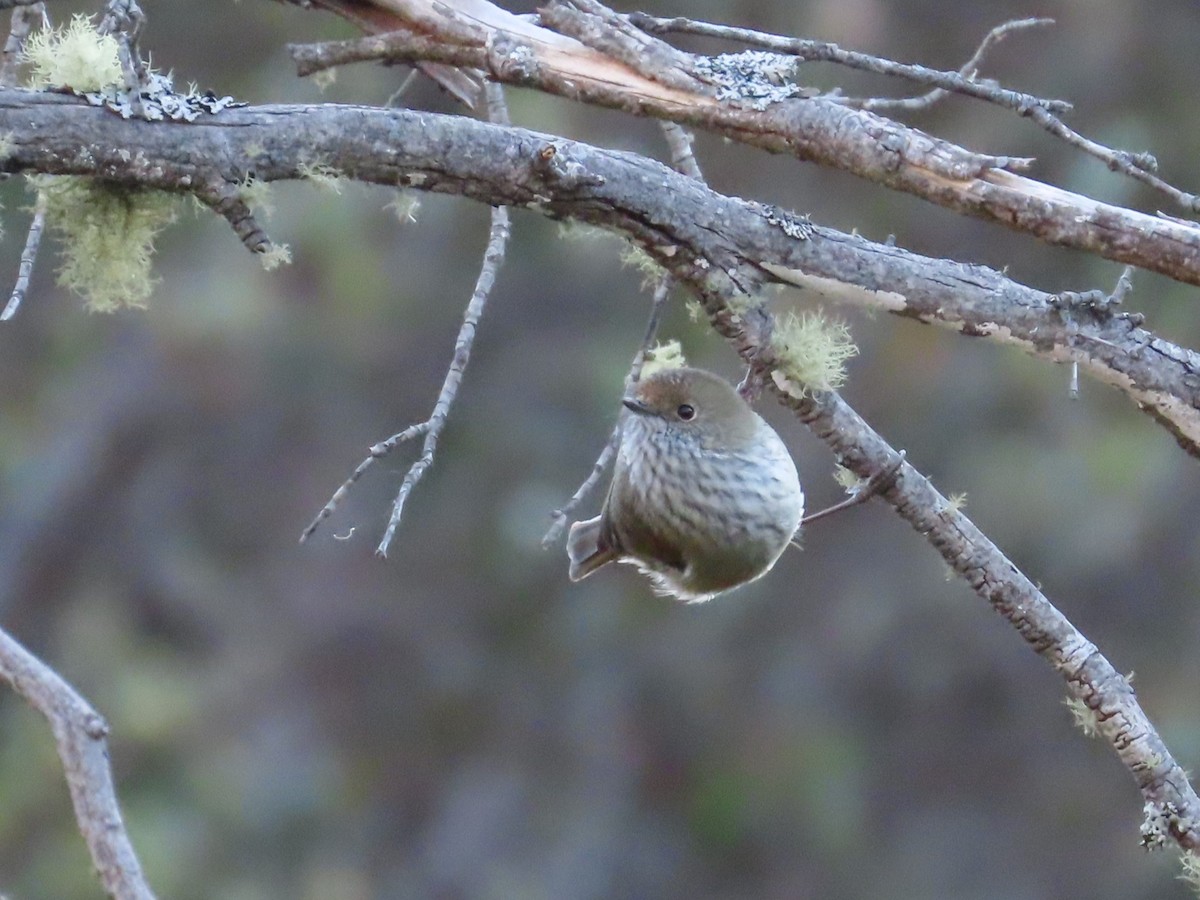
(459, 721)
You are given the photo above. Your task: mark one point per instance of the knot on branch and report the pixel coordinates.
(95, 726)
(555, 169)
(511, 60)
(1095, 304)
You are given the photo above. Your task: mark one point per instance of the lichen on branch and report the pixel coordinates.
(108, 234)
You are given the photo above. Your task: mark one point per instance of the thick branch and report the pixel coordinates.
(815, 129)
(81, 737)
(621, 191)
(1171, 805)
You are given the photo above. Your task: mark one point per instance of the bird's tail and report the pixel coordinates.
(587, 549)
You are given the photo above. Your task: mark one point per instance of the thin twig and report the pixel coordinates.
(80, 734)
(822, 51)
(23, 19)
(431, 428)
(462, 351)
(1044, 112)
(679, 142)
(378, 451)
(402, 90)
(561, 516)
(968, 71)
(1138, 166)
(859, 494)
(493, 258)
(33, 240)
(225, 199)
(124, 19)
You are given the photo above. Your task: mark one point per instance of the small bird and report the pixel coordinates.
(704, 495)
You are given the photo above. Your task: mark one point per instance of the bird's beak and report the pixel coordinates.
(634, 405)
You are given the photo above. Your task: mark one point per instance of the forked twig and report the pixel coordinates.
(1044, 112)
(822, 51)
(431, 428)
(968, 70)
(492, 259)
(378, 451)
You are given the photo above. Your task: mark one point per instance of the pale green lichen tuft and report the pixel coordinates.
(404, 206)
(275, 256)
(324, 79)
(812, 352)
(663, 356)
(957, 502)
(1083, 716)
(847, 479)
(694, 310)
(741, 304)
(634, 257)
(323, 176)
(107, 237)
(574, 230)
(76, 56)
(256, 194)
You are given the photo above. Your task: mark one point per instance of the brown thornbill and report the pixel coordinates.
(704, 496)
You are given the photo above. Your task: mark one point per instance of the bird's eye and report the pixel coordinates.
(686, 412)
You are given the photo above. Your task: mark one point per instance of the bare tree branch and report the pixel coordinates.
(722, 249)
(493, 258)
(432, 427)
(959, 82)
(820, 130)
(562, 178)
(80, 734)
(23, 19)
(1172, 808)
(1139, 166)
(562, 516)
(968, 71)
(33, 241)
